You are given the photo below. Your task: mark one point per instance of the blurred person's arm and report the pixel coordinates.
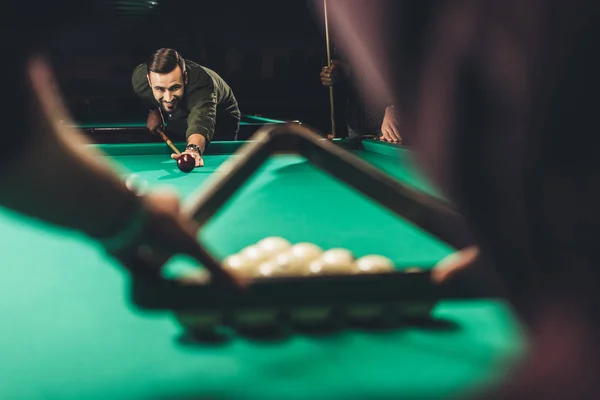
(54, 177)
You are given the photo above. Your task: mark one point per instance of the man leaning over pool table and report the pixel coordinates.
(198, 104)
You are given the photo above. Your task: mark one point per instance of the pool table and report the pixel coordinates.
(135, 131)
(71, 331)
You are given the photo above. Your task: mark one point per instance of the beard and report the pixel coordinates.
(173, 105)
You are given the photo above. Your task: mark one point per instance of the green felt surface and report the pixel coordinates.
(69, 331)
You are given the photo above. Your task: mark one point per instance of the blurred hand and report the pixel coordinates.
(330, 75)
(390, 128)
(165, 234)
(195, 154)
(454, 264)
(155, 121)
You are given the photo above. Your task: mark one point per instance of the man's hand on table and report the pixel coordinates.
(193, 153)
(390, 128)
(196, 143)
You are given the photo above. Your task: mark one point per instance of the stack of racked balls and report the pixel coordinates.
(276, 257)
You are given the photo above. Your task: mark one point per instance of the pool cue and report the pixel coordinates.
(168, 141)
(331, 104)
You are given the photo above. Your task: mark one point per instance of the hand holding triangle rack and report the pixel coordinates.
(434, 216)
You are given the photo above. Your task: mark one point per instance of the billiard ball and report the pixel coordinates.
(315, 267)
(373, 264)
(186, 162)
(338, 256)
(306, 252)
(320, 267)
(268, 269)
(254, 255)
(239, 264)
(333, 262)
(283, 264)
(195, 277)
(271, 246)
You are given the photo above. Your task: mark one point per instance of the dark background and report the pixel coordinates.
(270, 52)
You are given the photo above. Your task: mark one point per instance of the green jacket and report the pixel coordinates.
(208, 105)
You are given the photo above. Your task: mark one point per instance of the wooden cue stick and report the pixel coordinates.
(331, 104)
(168, 141)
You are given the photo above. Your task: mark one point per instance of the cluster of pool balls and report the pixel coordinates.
(277, 257)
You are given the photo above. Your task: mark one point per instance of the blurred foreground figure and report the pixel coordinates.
(500, 98)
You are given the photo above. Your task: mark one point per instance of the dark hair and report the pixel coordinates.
(164, 61)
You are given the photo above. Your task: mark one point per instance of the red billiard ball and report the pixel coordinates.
(186, 163)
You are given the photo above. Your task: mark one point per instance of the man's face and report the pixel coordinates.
(168, 89)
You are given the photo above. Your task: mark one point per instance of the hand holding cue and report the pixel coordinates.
(168, 141)
(331, 105)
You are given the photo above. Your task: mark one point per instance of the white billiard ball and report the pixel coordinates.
(268, 269)
(239, 264)
(274, 245)
(338, 256)
(254, 255)
(315, 267)
(321, 267)
(287, 264)
(336, 261)
(373, 264)
(195, 277)
(306, 252)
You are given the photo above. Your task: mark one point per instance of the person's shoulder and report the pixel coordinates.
(201, 75)
(140, 70)
(138, 78)
(197, 74)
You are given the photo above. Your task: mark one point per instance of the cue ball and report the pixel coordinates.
(373, 264)
(186, 162)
